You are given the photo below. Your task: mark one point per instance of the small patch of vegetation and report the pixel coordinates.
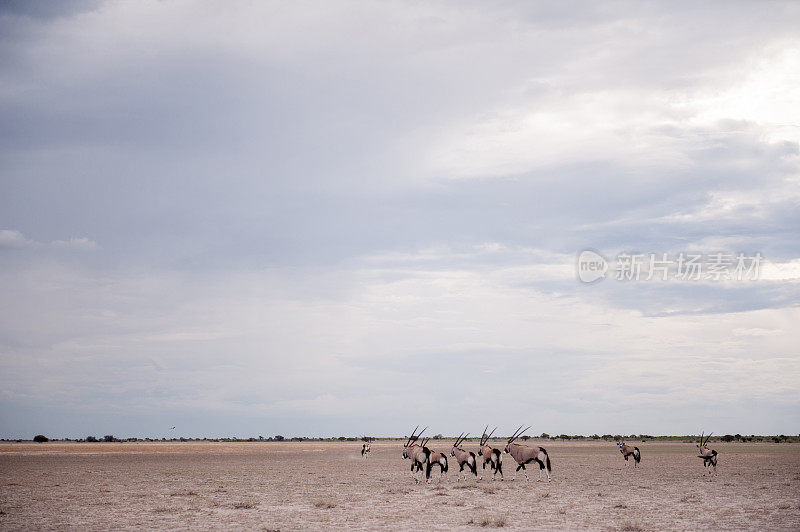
(630, 526)
(620, 505)
(493, 521)
(185, 493)
(40, 438)
(325, 503)
(244, 505)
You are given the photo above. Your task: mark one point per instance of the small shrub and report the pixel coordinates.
(244, 505)
(91, 439)
(40, 438)
(325, 503)
(629, 526)
(489, 521)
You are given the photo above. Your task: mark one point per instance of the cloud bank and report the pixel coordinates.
(281, 218)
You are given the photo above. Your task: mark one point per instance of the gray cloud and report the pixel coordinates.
(267, 218)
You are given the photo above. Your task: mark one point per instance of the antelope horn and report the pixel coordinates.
(709, 436)
(514, 435)
(458, 440)
(701, 438)
(484, 438)
(490, 434)
(411, 438)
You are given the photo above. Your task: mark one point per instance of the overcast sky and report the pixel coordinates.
(325, 218)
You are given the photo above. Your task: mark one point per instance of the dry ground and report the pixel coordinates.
(328, 485)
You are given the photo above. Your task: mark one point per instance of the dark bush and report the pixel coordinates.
(91, 439)
(727, 438)
(40, 438)
(545, 435)
(279, 438)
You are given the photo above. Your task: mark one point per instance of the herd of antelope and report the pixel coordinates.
(424, 459)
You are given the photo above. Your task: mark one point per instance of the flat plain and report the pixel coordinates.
(320, 485)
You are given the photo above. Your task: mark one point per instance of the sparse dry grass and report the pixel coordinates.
(489, 521)
(630, 526)
(325, 502)
(183, 493)
(244, 505)
(294, 485)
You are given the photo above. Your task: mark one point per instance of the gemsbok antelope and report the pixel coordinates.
(709, 456)
(416, 453)
(524, 455)
(464, 458)
(628, 451)
(490, 455)
(365, 449)
(434, 458)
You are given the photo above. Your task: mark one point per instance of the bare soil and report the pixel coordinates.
(288, 485)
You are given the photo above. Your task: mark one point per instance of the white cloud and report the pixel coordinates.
(14, 239)
(81, 243)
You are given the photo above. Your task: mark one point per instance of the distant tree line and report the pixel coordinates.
(110, 438)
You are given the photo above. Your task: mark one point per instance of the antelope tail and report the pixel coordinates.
(547, 456)
(637, 455)
(444, 467)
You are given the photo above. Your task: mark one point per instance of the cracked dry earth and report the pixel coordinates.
(288, 485)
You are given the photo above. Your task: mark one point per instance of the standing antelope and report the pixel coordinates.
(365, 449)
(490, 454)
(709, 456)
(627, 451)
(464, 457)
(524, 455)
(434, 458)
(416, 453)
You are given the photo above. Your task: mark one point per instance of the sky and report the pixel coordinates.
(346, 218)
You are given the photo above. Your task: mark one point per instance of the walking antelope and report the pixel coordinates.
(627, 451)
(524, 455)
(434, 458)
(464, 458)
(490, 454)
(709, 456)
(416, 453)
(365, 449)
